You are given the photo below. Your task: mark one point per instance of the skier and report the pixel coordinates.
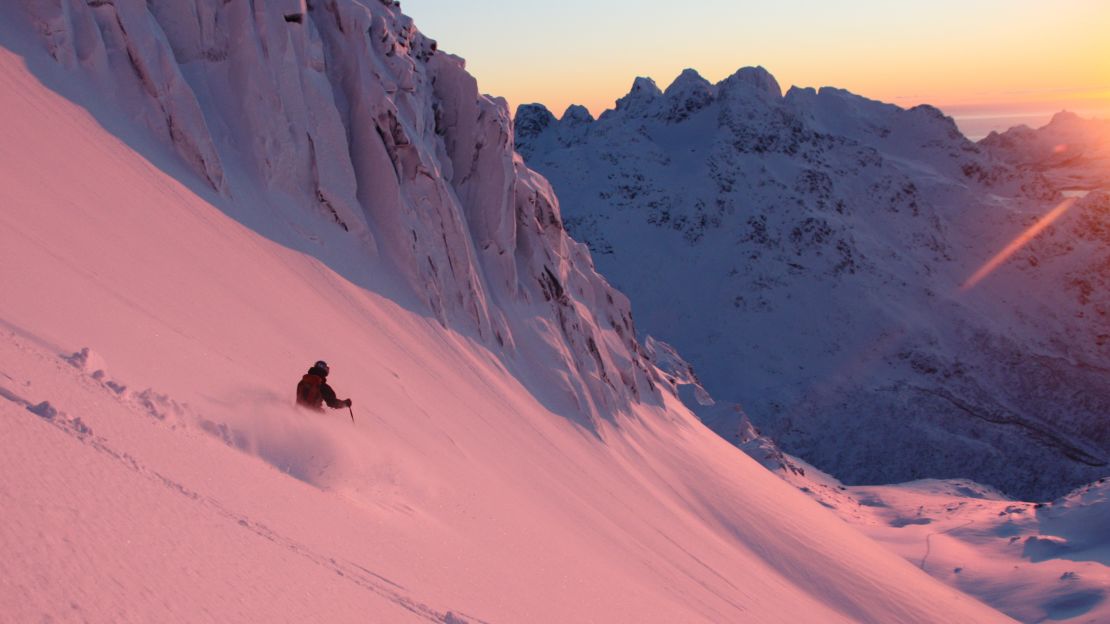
(313, 390)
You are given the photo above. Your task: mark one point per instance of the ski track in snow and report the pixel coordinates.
(929, 541)
(350, 572)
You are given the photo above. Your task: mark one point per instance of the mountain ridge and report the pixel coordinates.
(816, 249)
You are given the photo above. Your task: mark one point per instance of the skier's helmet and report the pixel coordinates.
(322, 365)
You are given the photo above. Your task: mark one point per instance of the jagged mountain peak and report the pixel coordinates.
(576, 113)
(756, 78)
(640, 98)
(688, 80)
(644, 87)
(688, 94)
(809, 237)
(532, 119)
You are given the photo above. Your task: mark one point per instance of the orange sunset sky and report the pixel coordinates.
(974, 59)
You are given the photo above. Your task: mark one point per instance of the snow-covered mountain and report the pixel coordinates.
(1073, 152)
(197, 200)
(822, 260)
(1032, 561)
(278, 104)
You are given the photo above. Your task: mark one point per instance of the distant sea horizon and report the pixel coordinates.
(977, 125)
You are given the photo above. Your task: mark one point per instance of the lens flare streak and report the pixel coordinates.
(1022, 239)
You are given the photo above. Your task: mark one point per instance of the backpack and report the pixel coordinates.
(308, 392)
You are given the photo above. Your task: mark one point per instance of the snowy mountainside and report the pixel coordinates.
(811, 254)
(1072, 151)
(727, 420)
(1032, 561)
(163, 295)
(345, 109)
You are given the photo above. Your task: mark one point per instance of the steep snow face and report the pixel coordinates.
(811, 254)
(154, 469)
(344, 109)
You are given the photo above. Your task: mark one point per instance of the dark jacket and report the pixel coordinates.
(313, 391)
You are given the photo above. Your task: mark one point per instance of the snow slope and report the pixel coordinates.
(345, 111)
(1033, 561)
(812, 254)
(156, 316)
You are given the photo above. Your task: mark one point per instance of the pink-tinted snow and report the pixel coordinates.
(171, 480)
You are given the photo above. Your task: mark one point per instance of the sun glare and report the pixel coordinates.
(1020, 241)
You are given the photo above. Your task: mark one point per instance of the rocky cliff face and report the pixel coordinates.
(811, 254)
(341, 108)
